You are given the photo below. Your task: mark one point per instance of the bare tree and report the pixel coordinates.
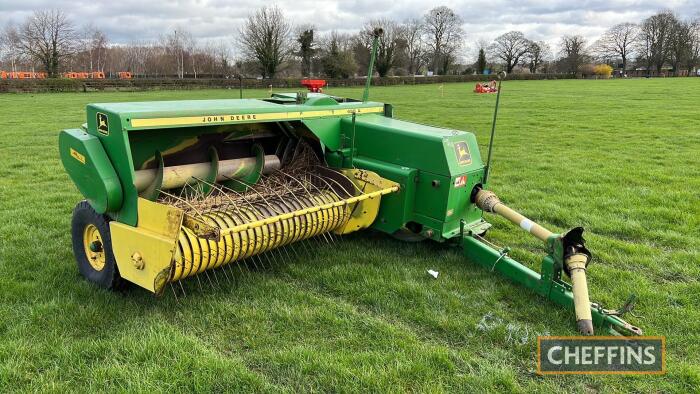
(618, 41)
(389, 47)
(573, 52)
(694, 45)
(683, 45)
(655, 38)
(10, 47)
(222, 55)
(444, 32)
(191, 50)
(537, 54)
(94, 46)
(48, 37)
(178, 45)
(265, 37)
(415, 50)
(510, 47)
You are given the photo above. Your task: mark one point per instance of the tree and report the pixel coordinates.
(573, 52)
(510, 47)
(415, 51)
(682, 44)
(265, 37)
(48, 37)
(95, 47)
(694, 46)
(177, 45)
(537, 54)
(655, 38)
(222, 55)
(337, 60)
(618, 41)
(191, 50)
(389, 46)
(10, 46)
(444, 32)
(305, 38)
(481, 61)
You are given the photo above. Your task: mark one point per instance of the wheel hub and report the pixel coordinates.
(92, 243)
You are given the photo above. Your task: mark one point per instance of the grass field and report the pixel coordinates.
(620, 158)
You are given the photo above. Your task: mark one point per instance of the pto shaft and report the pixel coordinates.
(575, 258)
(582, 304)
(489, 202)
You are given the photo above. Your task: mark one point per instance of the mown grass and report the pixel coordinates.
(618, 157)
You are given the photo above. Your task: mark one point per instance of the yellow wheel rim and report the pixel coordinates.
(94, 249)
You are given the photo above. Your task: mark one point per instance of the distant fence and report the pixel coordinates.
(88, 85)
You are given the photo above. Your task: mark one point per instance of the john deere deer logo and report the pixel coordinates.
(463, 155)
(102, 124)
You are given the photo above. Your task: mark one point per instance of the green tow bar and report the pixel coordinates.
(563, 252)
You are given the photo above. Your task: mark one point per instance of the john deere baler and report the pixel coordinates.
(176, 189)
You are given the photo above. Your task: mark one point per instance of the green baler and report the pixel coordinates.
(176, 189)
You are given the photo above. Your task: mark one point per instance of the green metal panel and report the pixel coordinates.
(90, 169)
(396, 208)
(412, 145)
(217, 112)
(444, 166)
(115, 141)
(327, 130)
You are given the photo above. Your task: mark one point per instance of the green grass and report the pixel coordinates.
(617, 157)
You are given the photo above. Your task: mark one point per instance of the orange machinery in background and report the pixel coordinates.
(124, 75)
(20, 75)
(76, 75)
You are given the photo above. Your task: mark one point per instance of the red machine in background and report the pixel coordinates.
(314, 85)
(486, 87)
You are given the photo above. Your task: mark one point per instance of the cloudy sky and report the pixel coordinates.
(215, 20)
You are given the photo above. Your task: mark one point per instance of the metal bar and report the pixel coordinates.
(375, 42)
(487, 169)
(556, 291)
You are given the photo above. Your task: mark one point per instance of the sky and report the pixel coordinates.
(219, 20)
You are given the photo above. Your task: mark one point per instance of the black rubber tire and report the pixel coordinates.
(108, 277)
